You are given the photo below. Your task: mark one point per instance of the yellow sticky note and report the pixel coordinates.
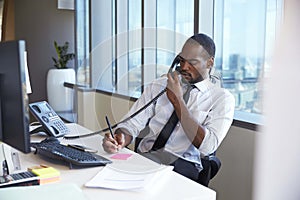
(44, 171)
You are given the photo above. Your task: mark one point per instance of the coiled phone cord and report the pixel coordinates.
(115, 125)
(173, 66)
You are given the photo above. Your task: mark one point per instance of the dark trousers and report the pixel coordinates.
(186, 168)
(181, 166)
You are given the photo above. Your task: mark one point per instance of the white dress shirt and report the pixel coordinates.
(211, 106)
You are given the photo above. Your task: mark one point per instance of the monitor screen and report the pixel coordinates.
(14, 115)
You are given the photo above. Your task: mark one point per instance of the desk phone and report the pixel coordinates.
(50, 121)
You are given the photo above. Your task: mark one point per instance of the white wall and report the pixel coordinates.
(39, 23)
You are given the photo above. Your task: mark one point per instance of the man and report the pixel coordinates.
(203, 121)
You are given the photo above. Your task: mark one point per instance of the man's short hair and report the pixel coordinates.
(206, 42)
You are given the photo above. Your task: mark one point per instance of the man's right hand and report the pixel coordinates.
(113, 145)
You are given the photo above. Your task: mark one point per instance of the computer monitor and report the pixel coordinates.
(14, 114)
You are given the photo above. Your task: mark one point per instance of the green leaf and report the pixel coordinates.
(63, 57)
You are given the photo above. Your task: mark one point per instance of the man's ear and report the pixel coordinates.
(210, 62)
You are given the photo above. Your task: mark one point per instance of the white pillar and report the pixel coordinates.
(277, 159)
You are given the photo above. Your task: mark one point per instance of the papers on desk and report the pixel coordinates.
(112, 178)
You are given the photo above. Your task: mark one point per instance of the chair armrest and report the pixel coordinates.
(215, 165)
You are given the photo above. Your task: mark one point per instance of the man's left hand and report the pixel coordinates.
(174, 90)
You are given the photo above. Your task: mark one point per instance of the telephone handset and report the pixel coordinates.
(174, 65)
(51, 123)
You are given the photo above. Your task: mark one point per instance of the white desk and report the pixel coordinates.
(174, 186)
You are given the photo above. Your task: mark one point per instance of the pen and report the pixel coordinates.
(109, 126)
(82, 148)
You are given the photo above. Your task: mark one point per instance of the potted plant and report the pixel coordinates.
(63, 57)
(60, 97)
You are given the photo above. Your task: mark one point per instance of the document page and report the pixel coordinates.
(112, 178)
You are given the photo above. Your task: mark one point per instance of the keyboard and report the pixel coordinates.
(52, 148)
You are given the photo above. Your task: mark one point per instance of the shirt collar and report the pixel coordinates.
(203, 85)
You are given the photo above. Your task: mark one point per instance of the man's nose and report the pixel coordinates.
(185, 65)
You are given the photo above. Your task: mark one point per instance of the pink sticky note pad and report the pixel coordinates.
(121, 156)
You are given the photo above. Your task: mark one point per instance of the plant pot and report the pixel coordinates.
(60, 98)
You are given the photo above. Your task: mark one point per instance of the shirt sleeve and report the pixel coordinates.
(218, 122)
(137, 123)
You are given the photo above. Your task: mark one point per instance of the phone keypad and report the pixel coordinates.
(61, 126)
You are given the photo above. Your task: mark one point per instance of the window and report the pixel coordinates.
(82, 42)
(244, 32)
(135, 41)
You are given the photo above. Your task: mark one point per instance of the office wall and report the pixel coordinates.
(235, 178)
(234, 181)
(93, 107)
(39, 23)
